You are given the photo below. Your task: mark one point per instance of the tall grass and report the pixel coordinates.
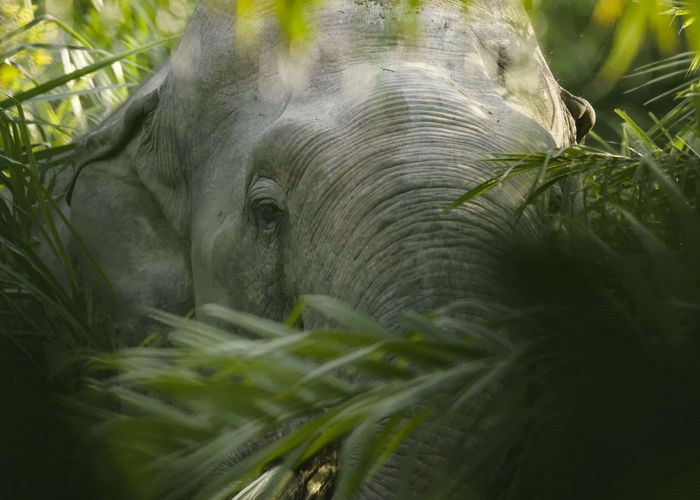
(39, 287)
(53, 85)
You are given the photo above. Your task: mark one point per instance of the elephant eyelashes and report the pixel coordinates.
(267, 201)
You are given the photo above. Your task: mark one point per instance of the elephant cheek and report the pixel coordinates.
(212, 260)
(243, 274)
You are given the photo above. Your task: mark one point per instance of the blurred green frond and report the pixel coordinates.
(228, 393)
(39, 49)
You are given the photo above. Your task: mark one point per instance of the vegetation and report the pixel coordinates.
(61, 72)
(602, 350)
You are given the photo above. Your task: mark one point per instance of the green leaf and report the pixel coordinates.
(57, 82)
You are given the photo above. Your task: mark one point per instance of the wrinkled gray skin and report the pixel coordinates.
(247, 179)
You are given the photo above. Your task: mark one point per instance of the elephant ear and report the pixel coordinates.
(130, 205)
(581, 111)
(145, 120)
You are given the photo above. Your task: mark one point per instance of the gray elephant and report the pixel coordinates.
(249, 178)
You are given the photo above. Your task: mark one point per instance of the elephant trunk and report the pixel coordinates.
(408, 252)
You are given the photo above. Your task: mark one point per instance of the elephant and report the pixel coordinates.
(252, 175)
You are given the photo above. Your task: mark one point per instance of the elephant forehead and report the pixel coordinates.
(345, 31)
(409, 117)
(490, 51)
(364, 81)
(370, 93)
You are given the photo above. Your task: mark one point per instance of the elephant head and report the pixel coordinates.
(251, 177)
(247, 178)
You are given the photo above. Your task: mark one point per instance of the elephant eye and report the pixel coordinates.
(267, 201)
(267, 213)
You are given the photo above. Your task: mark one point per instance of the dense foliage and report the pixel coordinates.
(587, 388)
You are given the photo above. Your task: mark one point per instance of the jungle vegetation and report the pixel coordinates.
(591, 390)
